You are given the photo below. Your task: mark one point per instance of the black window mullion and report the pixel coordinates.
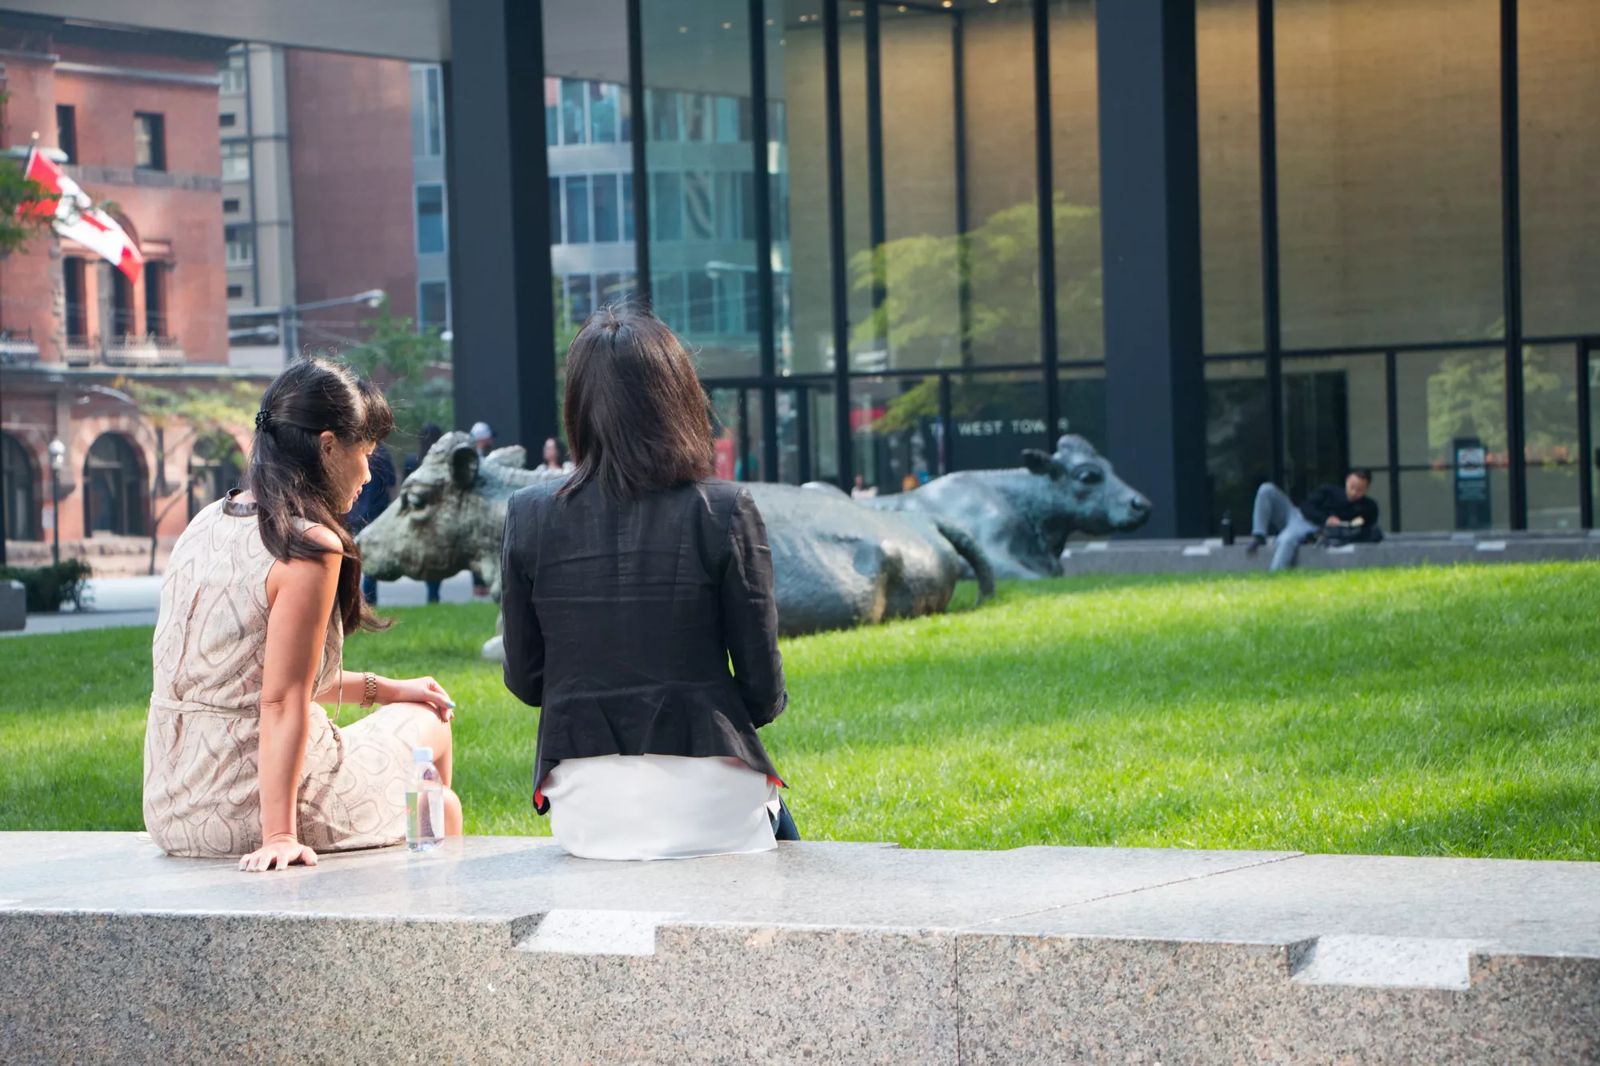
(761, 207)
(844, 446)
(1511, 251)
(638, 132)
(1045, 179)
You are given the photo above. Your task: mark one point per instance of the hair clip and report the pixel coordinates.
(263, 420)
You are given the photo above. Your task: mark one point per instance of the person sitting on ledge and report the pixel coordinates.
(1347, 514)
(627, 590)
(239, 758)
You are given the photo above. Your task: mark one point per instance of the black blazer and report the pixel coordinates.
(621, 619)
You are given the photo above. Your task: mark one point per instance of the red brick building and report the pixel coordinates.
(133, 118)
(350, 118)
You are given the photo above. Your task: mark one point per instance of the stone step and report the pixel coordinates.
(504, 949)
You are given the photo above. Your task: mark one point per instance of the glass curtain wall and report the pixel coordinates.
(699, 158)
(1559, 80)
(588, 132)
(1229, 103)
(938, 209)
(1353, 259)
(797, 175)
(1384, 204)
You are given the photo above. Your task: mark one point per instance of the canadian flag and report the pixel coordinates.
(76, 217)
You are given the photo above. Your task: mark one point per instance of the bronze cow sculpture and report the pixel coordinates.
(835, 564)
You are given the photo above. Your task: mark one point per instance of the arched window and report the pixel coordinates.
(21, 483)
(113, 489)
(216, 466)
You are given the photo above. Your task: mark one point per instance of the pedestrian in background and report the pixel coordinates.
(552, 458)
(374, 500)
(483, 438)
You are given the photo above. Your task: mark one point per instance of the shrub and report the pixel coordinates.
(48, 587)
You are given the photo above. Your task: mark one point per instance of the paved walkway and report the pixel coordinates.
(833, 952)
(133, 601)
(1136, 555)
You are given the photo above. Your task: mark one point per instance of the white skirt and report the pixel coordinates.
(659, 807)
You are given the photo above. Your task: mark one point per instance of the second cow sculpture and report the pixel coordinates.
(835, 564)
(1023, 516)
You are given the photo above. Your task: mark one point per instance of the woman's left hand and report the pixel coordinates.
(426, 691)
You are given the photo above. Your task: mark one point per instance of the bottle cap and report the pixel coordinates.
(421, 755)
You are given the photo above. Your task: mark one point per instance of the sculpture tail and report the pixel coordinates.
(969, 549)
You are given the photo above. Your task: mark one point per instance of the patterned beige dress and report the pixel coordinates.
(201, 795)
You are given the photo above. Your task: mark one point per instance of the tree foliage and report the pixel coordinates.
(17, 226)
(918, 318)
(413, 369)
(920, 280)
(1467, 398)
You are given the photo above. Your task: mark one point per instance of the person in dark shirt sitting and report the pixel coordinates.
(372, 502)
(1348, 510)
(640, 616)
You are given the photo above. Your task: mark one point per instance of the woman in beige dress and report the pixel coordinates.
(240, 758)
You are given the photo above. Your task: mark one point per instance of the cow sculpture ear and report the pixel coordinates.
(464, 466)
(1041, 463)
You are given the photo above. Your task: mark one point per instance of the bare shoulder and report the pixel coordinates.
(308, 580)
(324, 538)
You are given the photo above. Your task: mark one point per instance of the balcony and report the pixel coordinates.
(81, 350)
(148, 350)
(18, 348)
(129, 350)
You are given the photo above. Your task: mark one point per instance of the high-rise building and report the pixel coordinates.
(429, 198)
(333, 174)
(257, 200)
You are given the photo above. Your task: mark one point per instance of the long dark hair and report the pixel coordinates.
(287, 476)
(636, 417)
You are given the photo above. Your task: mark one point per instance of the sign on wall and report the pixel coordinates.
(1471, 483)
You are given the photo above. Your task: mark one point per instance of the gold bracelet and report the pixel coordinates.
(370, 690)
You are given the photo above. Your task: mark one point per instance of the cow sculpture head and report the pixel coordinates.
(1084, 488)
(447, 517)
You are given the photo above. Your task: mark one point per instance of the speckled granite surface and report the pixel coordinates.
(506, 950)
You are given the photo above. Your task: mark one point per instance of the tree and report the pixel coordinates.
(16, 193)
(919, 279)
(18, 224)
(413, 369)
(193, 415)
(1466, 397)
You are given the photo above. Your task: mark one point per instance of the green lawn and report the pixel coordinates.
(1431, 711)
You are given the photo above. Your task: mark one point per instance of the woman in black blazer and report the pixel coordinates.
(628, 590)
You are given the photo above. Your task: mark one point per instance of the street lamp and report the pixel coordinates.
(58, 460)
(287, 314)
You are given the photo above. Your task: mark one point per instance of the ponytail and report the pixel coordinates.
(289, 481)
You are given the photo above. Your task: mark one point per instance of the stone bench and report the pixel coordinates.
(1406, 549)
(504, 949)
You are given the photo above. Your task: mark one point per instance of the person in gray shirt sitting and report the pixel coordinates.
(1347, 513)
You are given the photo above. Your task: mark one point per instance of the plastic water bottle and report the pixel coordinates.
(424, 803)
